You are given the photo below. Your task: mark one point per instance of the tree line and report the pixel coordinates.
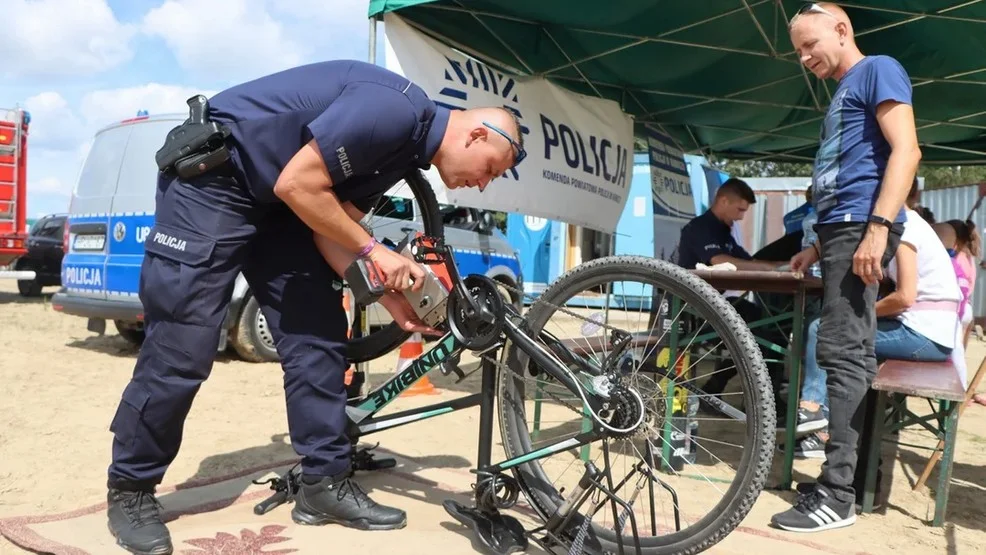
(935, 176)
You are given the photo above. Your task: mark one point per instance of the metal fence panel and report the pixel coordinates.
(954, 203)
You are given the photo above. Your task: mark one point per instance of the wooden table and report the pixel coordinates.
(785, 282)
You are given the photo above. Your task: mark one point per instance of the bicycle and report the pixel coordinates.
(477, 319)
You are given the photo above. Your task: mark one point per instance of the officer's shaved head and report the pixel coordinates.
(480, 144)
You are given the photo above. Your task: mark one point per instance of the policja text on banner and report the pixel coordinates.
(580, 148)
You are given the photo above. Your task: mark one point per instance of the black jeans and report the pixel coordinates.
(846, 333)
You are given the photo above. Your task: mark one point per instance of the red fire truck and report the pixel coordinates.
(13, 189)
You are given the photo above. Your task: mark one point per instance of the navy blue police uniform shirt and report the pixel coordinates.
(371, 125)
(706, 236)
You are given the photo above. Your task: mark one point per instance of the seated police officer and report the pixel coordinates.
(708, 239)
(310, 149)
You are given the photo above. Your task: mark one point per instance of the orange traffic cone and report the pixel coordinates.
(410, 350)
(346, 305)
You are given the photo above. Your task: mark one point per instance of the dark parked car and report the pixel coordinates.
(44, 255)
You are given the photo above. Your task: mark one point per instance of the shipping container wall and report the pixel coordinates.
(954, 203)
(776, 196)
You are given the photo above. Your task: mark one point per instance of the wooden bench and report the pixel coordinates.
(896, 380)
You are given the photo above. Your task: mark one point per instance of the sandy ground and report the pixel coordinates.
(61, 385)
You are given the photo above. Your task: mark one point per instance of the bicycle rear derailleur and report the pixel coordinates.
(286, 486)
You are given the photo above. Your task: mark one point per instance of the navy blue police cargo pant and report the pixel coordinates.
(206, 231)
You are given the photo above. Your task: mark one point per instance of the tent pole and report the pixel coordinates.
(372, 54)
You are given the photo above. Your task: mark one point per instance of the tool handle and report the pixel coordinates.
(365, 280)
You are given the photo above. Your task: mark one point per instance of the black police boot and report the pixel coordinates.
(339, 499)
(135, 522)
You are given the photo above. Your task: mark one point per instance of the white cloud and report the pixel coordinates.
(51, 185)
(228, 40)
(334, 29)
(61, 134)
(100, 108)
(343, 12)
(53, 124)
(47, 38)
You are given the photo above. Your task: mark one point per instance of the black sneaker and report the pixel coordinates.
(815, 511)
(810, 447)
(340, 500)
(811, 420)
(135, 522)
(804, 488)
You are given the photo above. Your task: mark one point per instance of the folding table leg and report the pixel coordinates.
(875, 419)
(945, 471)
(936, 456)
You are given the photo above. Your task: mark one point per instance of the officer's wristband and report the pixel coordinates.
(366, 250)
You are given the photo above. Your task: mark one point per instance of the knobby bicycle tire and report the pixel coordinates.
(389, 337)
(723, 318)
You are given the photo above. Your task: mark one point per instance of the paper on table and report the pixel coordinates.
(725, 266)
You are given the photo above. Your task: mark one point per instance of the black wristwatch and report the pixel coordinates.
(874, 219)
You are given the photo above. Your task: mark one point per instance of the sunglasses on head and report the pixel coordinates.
(521, 153)
(812, 7)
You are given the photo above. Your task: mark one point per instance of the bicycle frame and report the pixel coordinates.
(362, 412)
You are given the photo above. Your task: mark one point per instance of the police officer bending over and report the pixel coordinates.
(271, 178)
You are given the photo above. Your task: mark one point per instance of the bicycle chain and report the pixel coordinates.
(541, 300)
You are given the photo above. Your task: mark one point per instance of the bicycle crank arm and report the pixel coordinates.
(549, 363)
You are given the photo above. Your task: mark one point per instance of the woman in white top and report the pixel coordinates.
(920, 320)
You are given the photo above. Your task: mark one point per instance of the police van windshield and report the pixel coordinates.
(121, 162)
(102, 165)
(139, 172)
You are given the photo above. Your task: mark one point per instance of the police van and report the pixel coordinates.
(111, 213)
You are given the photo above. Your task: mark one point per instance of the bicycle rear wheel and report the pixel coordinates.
(521, 435)
(392, 218)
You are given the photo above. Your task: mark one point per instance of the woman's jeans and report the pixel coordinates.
(893, 340)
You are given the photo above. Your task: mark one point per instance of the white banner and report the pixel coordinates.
(670, 182)
(579, 148)
(672, 193)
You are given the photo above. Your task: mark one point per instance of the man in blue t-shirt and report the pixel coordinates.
(863, 171)
(310, 150)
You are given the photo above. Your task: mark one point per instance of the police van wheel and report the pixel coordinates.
(251, 337)
(132, 332)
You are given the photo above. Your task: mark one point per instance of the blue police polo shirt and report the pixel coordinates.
(371, 125)
(706, 236)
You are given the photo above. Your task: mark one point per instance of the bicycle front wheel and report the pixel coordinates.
(705, 465)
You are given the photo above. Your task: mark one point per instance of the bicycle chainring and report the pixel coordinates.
(472, 330)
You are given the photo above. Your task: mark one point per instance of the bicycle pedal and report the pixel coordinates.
(363, 460)
(285, 488)
(499, 534)
(375, 464)
(452, 367)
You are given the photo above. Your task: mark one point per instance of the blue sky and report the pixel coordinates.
(77, 65)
